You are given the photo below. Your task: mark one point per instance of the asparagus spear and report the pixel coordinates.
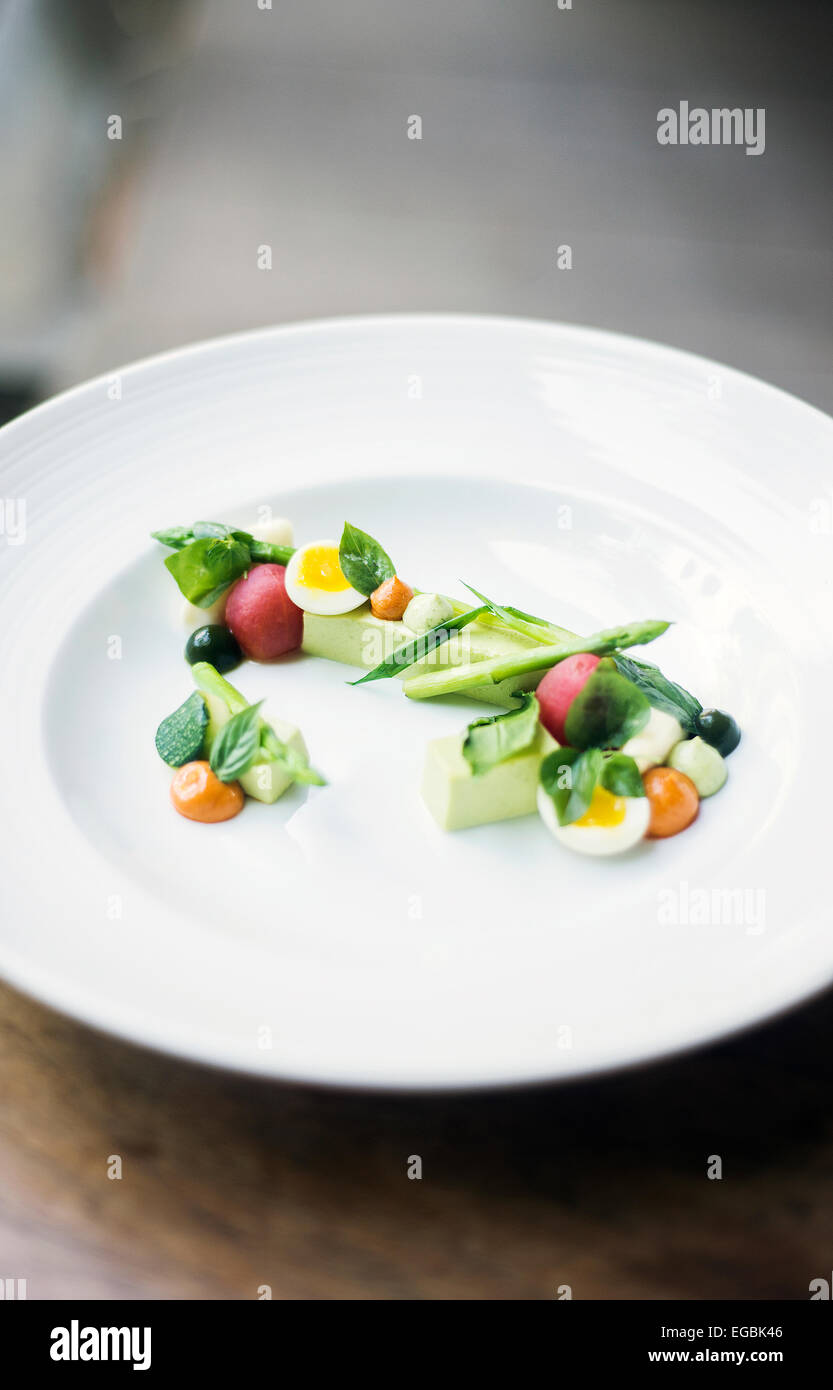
(451, 680)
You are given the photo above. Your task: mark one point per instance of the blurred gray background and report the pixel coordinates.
(287, 126)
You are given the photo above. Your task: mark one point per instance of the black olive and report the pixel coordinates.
(719, 729)
(216, 644)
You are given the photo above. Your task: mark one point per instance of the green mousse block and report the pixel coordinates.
(458, 799)
(356, 639)
(359, 639)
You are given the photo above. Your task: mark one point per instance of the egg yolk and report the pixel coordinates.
(319, 569)
(605, 810)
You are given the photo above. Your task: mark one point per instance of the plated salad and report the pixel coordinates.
(600, 744)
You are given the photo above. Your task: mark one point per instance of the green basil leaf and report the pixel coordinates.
(180, 737)
(364, 563)
(660, 692)
(569, 776)
(237, 745)
(208, 566)
(528, 617)
(607, 711)
(492, 740)
(406, 655)
(621, 776)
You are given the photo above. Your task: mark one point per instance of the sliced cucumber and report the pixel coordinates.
(181, 737)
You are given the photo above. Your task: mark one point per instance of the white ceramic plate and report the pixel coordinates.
(338, 936)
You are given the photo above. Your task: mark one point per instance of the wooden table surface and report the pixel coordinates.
(229, 1184)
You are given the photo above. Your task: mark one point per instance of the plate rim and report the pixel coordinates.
(344, 322)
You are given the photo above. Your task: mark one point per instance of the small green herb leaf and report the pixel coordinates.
(175, 536)
(518, 621)
(569, 776)
(205, 567)
(237, 745)
(406, 655)
(364, 563)
(293, 762)
(621, 776)
(662, 693)
(180, 737)
(607, 711)
(492, 740)
(550, 632)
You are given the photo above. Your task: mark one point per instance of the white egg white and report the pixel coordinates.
(598, 839)
(323, 602)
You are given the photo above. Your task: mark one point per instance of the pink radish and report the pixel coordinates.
(262, 616)
(559, 688)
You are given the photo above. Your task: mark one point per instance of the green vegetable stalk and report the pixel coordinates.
(517, 621)
(263, 552)
(495, 669)
(209, 680)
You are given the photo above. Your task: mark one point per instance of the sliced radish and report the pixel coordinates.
(559, 688)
